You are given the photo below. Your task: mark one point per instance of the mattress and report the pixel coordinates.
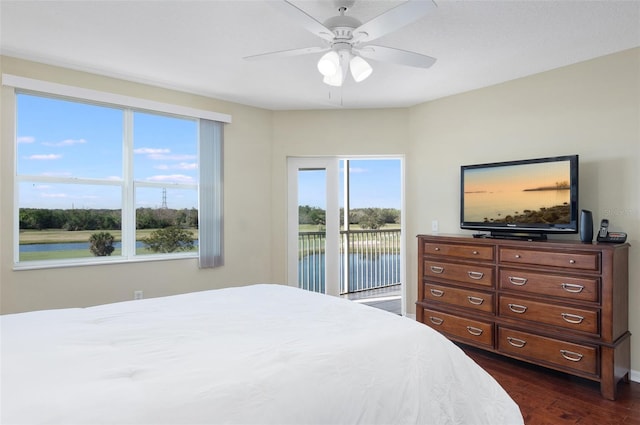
(259, 354)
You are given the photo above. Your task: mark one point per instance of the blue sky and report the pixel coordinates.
(374, 183)
(62, 139)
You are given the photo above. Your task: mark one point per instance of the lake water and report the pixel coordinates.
(364, 271)
(498, 205)
(70, 246)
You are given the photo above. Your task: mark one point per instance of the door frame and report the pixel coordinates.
(332, 218)
(332, 165)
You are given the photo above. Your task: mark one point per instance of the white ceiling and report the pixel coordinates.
(198, 46)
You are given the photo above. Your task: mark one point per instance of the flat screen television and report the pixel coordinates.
(525, 199)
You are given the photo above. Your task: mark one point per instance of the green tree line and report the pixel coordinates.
(104, 219)
(366, 218)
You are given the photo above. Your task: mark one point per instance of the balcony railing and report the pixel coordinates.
(369, 259)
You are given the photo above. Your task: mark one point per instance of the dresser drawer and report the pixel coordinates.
(536, 348)
(466, 273)
(576, 260)
(578, 319)
(575, 288)
(472, 252)
(467, 298)
(462, 329)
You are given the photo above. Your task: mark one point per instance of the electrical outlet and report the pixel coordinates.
(137, 295)
(434, 226)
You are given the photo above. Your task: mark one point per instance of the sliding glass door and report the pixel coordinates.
(313, 225)
(345, 227)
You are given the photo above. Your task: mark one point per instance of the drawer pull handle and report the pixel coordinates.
(517, 308)
(518, 256)
(517, 280)
(518, 343)
(475, 300)
(436, 249)
(572, 318)
(436, 292)
(474, 331)
(475, 275)
(570, 287)
(475, 252)
(571, 355)
(572, 261)
(437, 269)
(436, 320)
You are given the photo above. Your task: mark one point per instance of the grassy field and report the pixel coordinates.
(308, 244)
(59, 255)
(75, 253)
(62, 236)
(319, 228)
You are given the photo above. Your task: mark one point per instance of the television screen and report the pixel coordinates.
(535, 195)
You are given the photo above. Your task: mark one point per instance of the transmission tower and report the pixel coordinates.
(164, 198)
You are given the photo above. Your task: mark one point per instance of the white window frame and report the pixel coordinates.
(210, 257)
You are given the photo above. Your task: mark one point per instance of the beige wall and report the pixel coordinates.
(247, 177)
(592, 109)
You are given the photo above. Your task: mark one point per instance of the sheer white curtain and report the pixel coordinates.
(211, 194)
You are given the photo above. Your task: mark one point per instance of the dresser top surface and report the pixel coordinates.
(546, 244)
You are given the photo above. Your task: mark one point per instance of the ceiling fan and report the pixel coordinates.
(345, 39)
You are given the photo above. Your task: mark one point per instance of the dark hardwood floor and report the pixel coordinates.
(553, 398)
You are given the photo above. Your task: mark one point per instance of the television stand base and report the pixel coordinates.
(517, 236)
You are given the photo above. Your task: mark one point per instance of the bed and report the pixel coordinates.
(260, 354)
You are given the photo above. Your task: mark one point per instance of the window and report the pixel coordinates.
(100, 182)
(165, 170)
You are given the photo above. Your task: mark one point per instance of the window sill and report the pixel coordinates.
(44, 264)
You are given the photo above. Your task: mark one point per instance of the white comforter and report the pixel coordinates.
(263, 354)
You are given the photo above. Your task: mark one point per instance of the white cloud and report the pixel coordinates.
(41, 186)
(356, 170)
(151, 151)
(163, 154)
(55, 195)
(187, 166)
(66, 142)
(26, 139)
(181, 166)
(163, 157)
(60, 174)
(46, 157)
(172, 178)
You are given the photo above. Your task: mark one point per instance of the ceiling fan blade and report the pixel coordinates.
(393, 19)
(402, 57)
(303, 19)
(288, 53)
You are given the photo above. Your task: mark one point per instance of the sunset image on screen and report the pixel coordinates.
(525, 193)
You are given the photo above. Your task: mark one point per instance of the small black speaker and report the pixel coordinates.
(586, 226)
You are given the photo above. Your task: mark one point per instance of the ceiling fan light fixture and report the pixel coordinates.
(334, 80)
(329, 64)
(360, 69)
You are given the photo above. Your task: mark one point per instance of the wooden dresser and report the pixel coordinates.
(558, 304)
